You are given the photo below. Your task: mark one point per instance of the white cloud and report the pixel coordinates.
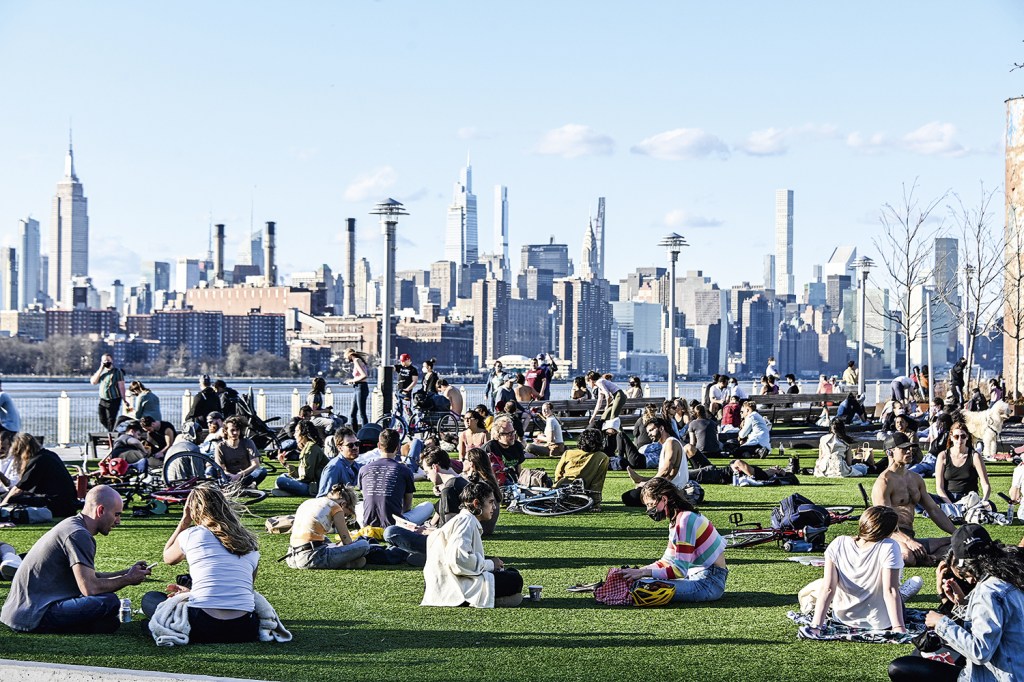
(371, 185)
(777, 141)
(574, 140)
(680, 218)
(682, 143)
(934, 139)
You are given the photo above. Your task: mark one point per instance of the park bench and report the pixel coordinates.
(574, 415)
(806, 407)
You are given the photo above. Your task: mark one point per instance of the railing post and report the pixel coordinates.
(186, 405)
(647, 390)
(465, 400)
(63, 419)
(261, 405)
(295, 402)
(329, 398)
(878, 392)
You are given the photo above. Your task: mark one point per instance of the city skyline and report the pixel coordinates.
(666, 156)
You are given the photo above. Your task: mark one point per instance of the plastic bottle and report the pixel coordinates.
(782, 450)
(797, 546)
(125, 614)
(735, 478)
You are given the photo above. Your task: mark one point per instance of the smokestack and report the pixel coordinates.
(350, 269)
(269, 269)
(218, 254)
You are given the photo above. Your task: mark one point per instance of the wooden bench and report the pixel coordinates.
(806, 407)
(574, 415)
(96, 439)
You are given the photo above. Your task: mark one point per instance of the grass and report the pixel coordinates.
(351, 625)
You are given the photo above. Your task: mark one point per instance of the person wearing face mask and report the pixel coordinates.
(110, 379)
(694, 561)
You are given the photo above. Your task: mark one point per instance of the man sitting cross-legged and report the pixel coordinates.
(672, 465)
(902, 489)
(586, 462)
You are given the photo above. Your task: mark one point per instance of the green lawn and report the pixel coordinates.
(352, 625)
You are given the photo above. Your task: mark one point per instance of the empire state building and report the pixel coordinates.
(69, 234)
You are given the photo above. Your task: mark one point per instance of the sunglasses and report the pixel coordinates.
(506, 433)
(958, 436)
(350, 445)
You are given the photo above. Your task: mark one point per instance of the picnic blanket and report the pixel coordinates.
(833, 631)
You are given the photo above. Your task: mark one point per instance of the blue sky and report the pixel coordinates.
(686, 116)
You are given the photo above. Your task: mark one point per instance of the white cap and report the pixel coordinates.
(613, 424)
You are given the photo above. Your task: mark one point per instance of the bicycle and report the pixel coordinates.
(756, 534)
(446, 425)
(183, 471)
(546, 501)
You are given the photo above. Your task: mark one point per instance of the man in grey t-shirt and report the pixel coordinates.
(57, 588)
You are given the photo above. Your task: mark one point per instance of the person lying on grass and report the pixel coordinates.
(314, 520)
(694, 560)
(903, 490)
(862, 576)
(222, 557)
(456, 572)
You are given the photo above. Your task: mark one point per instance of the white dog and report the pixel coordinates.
(986, 426)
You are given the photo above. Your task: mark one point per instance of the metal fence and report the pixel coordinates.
(66, 420)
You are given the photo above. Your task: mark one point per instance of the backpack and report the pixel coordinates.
(692, 492)
(278, 525)
(113, 466)
(439, 403)
(534, 478)
(796, 512)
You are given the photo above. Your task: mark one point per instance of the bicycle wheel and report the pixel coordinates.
(172, 496)
(748, 538)
(245, 495)
(395, 423)
(448, 426)
(190, 466)
(557, 506)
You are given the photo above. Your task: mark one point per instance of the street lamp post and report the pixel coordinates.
(673, 243)
(863, 265)
(965, 307)
(388, 211)
(931, 367)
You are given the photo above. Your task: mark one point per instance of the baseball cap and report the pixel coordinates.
(404, 356)
(215, 415)
(897, 440)
(614, 424)
(970, 540)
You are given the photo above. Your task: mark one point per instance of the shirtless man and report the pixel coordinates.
(672, 465)
(902, 489)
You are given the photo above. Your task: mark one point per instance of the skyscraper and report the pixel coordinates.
(784, 281)
(28, 284)
(460, 244)
(158, 274)
(501, 228)
(589, 257)
(8, 279)
(69, 233)
(599, 238)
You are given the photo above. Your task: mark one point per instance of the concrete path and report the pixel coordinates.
(31, 671)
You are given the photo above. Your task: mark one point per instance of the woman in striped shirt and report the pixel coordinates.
(694, 560)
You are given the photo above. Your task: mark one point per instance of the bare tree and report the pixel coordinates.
(906, 247)
(1013, 283)
(982, 266)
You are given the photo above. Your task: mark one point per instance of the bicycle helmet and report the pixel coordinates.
(652, 592)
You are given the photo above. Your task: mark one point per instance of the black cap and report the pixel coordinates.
(897, 440)
(215, 415)
(970, 541)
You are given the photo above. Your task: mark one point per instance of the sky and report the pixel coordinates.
(686, 116)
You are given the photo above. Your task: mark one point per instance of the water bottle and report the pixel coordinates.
(735, 478)
(794, 465)
(125, 614)
(782, 450)
(797, 546)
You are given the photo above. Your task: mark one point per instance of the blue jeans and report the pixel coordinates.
(710, 586)
(415, 449)
(403, 538)
(328, 555)
(256, 477)
(926, 467)
(82, 615)
(293, 486)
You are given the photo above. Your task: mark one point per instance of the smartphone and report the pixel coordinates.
(149, 567)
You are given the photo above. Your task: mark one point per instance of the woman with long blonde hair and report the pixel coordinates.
(361, 389)
(222, 557)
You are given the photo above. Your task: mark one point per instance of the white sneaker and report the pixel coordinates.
(911, 586)
(9, 567)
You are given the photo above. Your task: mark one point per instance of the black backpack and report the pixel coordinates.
(796, 512)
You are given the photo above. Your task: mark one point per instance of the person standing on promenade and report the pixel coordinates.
(111, 382)
(361, 389)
